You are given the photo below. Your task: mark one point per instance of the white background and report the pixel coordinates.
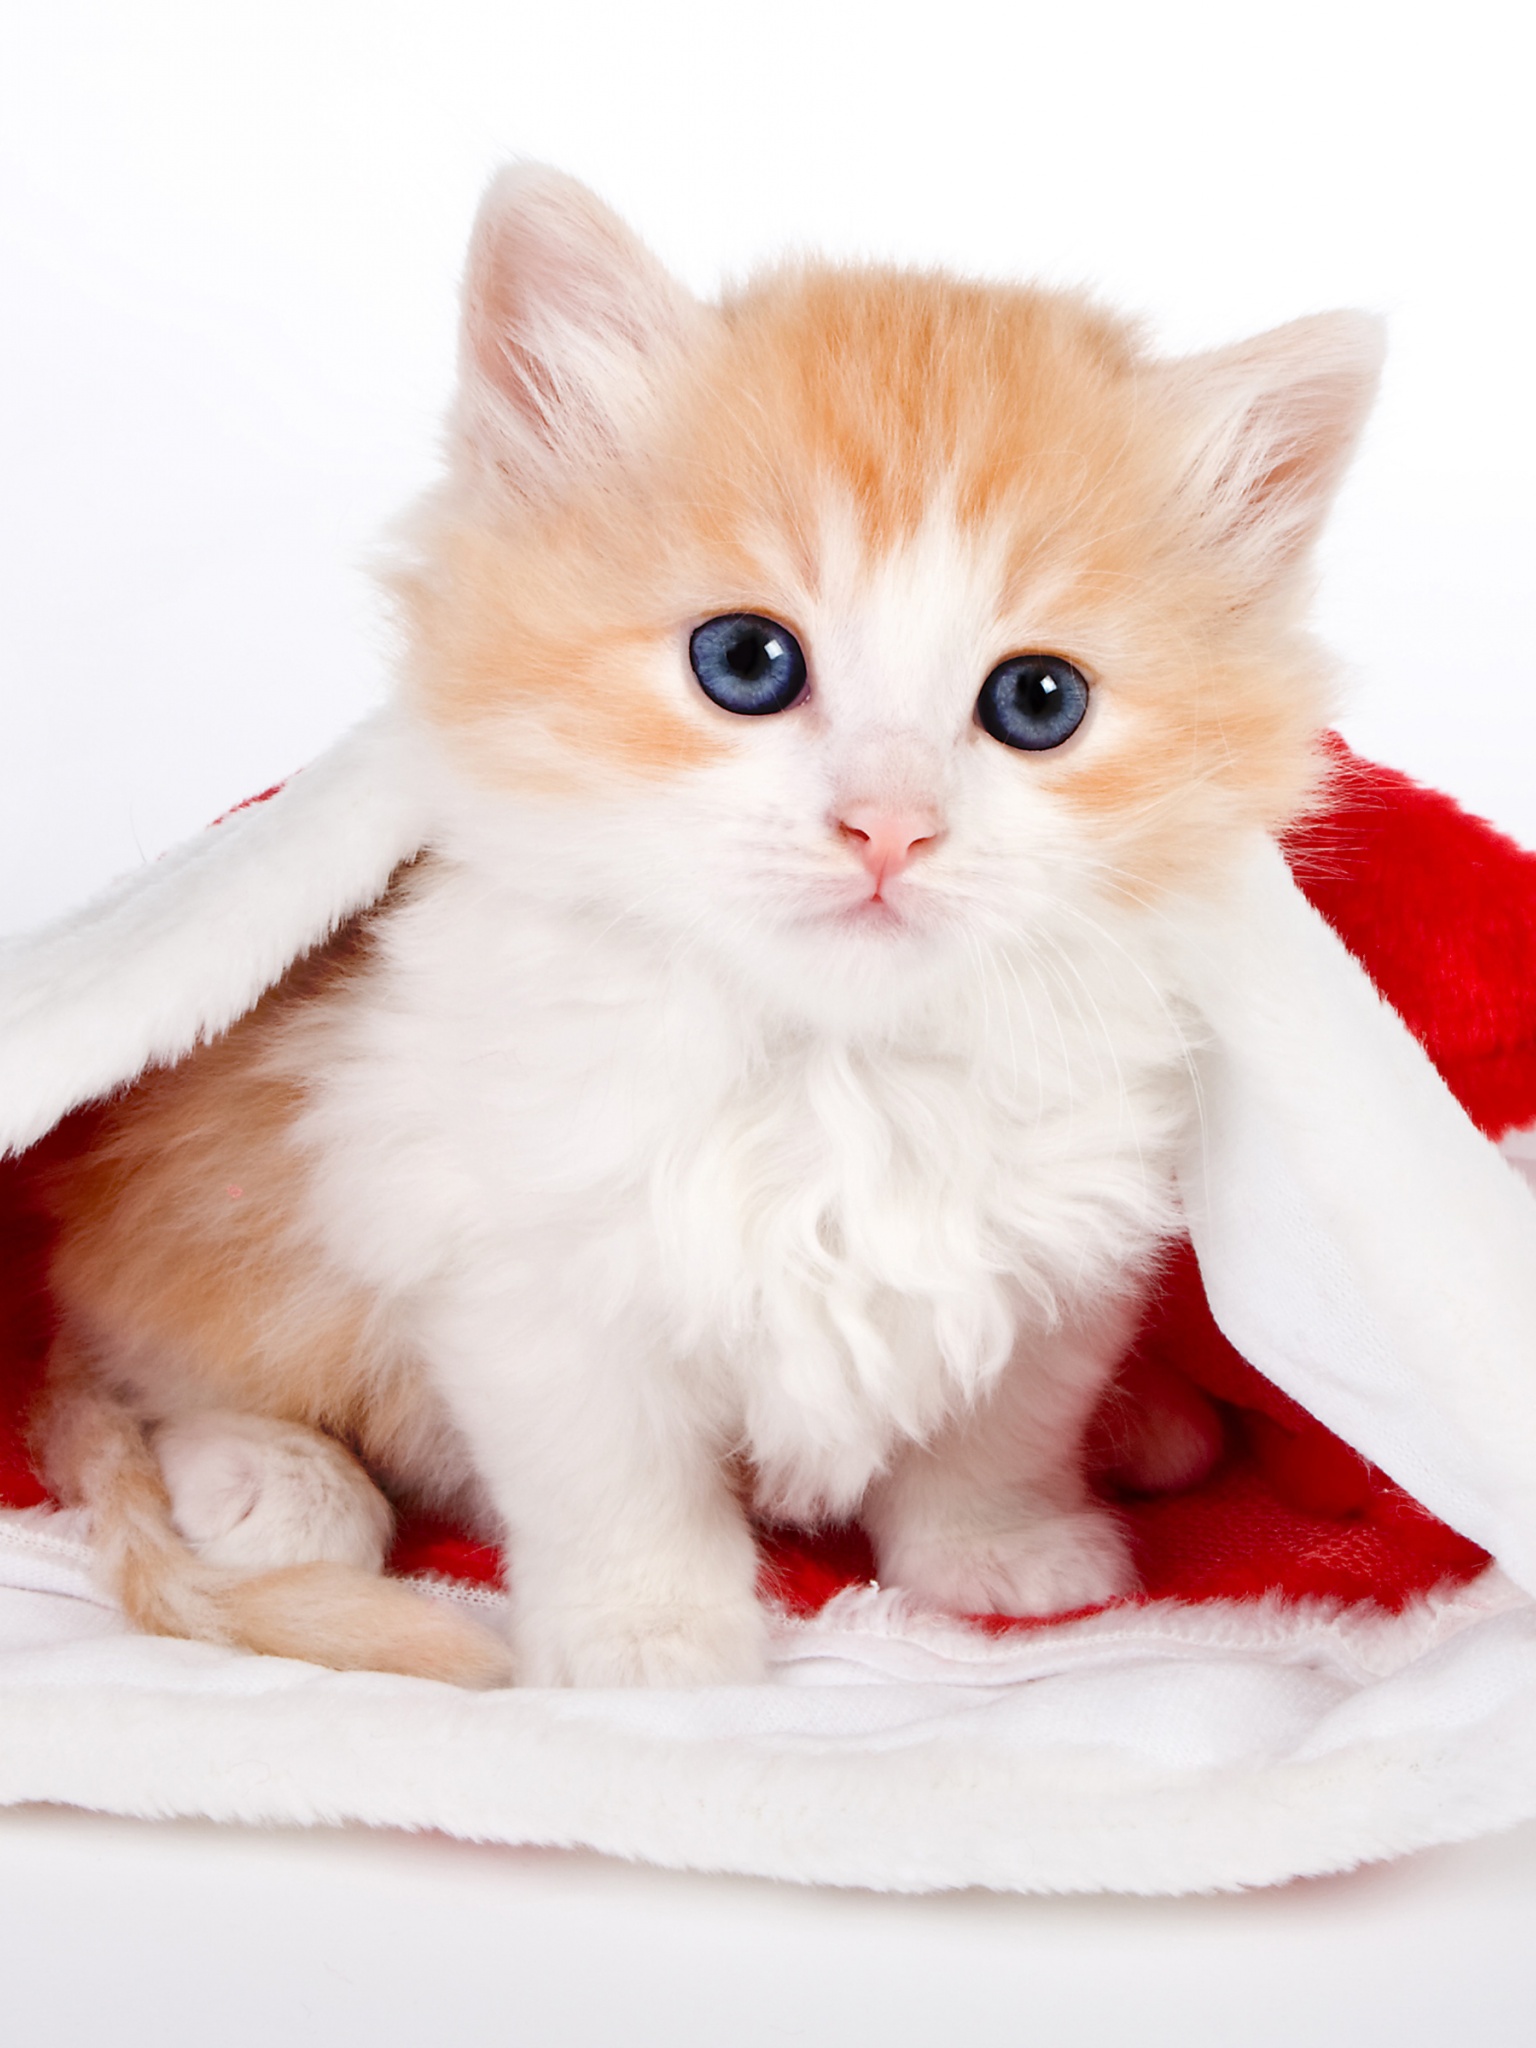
(229, 242)
(230, 237)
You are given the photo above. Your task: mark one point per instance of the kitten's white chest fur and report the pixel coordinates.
(815, 1244)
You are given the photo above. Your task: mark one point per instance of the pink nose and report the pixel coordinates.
(885, 841)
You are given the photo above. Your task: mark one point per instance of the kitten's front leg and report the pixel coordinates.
(994, 1515)
(629, 1557)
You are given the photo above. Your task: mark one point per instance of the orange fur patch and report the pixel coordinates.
(1029, 414)
(540, 675)
(893, 385)
(325, 1613)
(552, 645)
(183, 1242)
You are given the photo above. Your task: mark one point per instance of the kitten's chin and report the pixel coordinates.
(865, 967)
(896, 914)
(875, 917)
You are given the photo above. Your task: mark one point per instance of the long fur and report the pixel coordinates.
(637, 1165)
(97, 1453)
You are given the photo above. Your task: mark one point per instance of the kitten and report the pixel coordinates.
(763, 1095)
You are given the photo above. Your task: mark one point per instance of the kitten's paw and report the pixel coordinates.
(256, 1495)
(651, 1645)
(1052, 1565)
(1160, 1434)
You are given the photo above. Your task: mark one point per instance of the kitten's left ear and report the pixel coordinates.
(570, 329)
(1268, 427)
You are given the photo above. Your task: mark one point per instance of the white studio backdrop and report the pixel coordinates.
(230, 239)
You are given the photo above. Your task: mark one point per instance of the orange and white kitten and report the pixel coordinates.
(763, 1094)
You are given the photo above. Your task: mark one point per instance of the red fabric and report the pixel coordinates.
(1441, 910)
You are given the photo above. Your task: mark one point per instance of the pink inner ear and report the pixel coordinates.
(492, 325)
(1293, 446)
(515, 288)
(1281, 414)
(560, 301)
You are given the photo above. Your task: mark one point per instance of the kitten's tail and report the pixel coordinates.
(335, 1614)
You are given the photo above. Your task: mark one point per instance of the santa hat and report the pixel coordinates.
(1324, 1666)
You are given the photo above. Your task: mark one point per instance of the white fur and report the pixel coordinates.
(252, 1494)
(989, 1516)
(664, 1144)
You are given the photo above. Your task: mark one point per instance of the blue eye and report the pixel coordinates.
(1033, 701)
(747, 664)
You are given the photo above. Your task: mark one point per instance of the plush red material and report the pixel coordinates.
(1441, 910)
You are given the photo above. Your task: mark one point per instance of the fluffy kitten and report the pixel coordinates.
(763, 1094)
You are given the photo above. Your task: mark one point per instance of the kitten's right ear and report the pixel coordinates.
(1268, 429)
(570, 328)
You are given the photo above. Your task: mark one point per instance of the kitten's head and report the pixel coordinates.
(869, 613)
